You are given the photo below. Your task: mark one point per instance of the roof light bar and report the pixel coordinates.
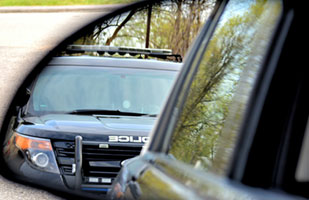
(132, 51)
(120, 50)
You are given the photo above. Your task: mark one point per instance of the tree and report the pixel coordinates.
(174, 25)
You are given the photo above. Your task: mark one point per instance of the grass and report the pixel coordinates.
(59, 2)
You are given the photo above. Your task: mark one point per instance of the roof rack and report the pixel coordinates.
(132, 51)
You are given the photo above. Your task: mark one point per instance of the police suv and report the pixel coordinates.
(85, 115)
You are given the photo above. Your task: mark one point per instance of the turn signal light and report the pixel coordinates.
(24, 143)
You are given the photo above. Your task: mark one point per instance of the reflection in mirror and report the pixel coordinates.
(163, 25)
(214, 109)
(95, 103)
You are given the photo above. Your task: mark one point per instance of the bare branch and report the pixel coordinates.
(109, 40)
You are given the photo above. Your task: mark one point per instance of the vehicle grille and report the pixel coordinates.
(100, 165)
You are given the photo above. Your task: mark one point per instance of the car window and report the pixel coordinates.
(213, 111)
(62, 89)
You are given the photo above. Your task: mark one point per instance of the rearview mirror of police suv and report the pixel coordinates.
(90, 104)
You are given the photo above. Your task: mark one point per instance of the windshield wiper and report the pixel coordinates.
(108, 112)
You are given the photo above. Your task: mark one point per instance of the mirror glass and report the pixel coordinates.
(94, 104)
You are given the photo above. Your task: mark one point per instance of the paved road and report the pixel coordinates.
(24, 39)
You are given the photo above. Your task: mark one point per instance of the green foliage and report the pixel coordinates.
(210, 95)
(202, 137)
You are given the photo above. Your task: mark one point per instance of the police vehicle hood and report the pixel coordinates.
(97, 128)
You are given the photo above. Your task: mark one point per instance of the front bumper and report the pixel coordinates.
(101, 162)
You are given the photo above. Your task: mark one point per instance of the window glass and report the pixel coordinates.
(65, 89)
(213, 111)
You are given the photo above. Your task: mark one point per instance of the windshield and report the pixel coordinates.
(65, 89)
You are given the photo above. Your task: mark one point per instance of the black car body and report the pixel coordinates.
(235, 124)
(71, 135)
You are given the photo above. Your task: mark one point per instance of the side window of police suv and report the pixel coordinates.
(213, 111)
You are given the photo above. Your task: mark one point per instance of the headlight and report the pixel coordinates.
(38, 152)
(40, 159)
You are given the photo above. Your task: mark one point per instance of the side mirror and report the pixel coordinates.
(104, 85)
